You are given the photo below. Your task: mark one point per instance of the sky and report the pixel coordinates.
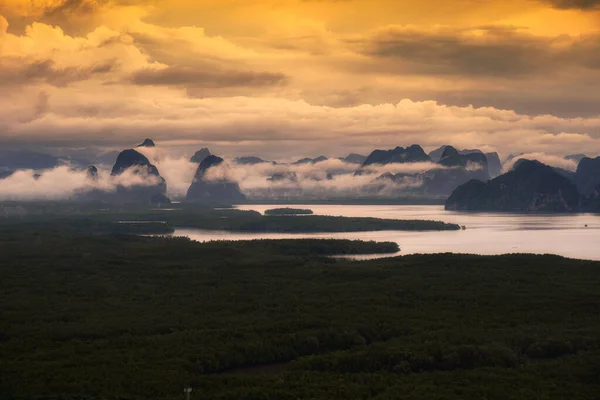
(291, 78)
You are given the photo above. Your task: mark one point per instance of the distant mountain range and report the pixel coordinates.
(462, 176)
(493, 159)
(251, 160)
(530, 186)
(354, 159)
(200, 156)
(311, 160)
(453, 169)
(533, 187)
(412, 154)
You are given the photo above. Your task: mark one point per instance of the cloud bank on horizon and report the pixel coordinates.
(332, 178)
(295, 78)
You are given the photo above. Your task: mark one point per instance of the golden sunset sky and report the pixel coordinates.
(293, 78)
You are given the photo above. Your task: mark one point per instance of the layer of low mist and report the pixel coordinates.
(332, 178)
(553, 161)
(63, 183)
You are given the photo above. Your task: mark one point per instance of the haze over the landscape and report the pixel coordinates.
(295, 78)
(299, 199)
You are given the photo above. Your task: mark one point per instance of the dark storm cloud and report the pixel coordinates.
(82, 7)
(576, 4)
(486, 52)
(68, 7)
(75, 17)
(19, 71)
(192, 77)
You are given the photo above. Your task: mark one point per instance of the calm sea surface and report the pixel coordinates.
(575, 236)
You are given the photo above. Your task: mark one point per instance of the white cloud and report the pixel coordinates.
(281, 128)
(315, 181)
(62, 183)
(177, 170)
(548, 159)
(84, 96)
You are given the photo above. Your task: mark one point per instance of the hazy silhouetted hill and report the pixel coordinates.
(530, 186)
(221, 190)
(587, 175)
(411, 154)
(200, 155)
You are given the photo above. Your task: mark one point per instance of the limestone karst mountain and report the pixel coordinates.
(530, 186)
(200, 155)
(215, 190)
(147, 143)
(153, 187)
(411, 154)
(587, 176)
(251, 160)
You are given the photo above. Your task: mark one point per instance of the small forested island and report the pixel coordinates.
(321, 223)
(288, 211)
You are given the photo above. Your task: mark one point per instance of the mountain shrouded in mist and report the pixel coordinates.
(411, 154)
(200, 155)
(530, 186)
(153, 188)
(157, 173)
(213, 189)
(587, 175)
(147, 143)
(250, 160)
(494, 165)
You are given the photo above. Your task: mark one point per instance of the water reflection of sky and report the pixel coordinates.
(486, 233)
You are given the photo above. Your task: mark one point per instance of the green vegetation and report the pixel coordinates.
(288, 211)
(186, 216)
(84, 226)
(409, 200)
(324, 247)
(131, 317)
(317, 223)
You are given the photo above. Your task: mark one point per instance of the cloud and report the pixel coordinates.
(409, 168)
(74, 7)
(46, 55)
(188, 76)
(176, 169)
(328, 179)
(493, 51)
(63, 183)
(60, 183)
(297, 86)
(277, 128)
(548, 159)
(586, 5)
(138, 54)
(64, 9)
(3, 26)
(312, 180)
(19, 71)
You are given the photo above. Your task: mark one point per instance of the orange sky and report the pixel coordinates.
(302, 73)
